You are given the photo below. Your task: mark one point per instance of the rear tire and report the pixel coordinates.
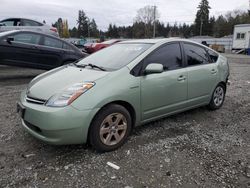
(218, 97)
(110, 128)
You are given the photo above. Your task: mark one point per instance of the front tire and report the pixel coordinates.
(218, 97)
(110, 128)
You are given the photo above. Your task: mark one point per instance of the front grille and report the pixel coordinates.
(35, 100)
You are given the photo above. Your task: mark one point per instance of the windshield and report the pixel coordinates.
(115, 56)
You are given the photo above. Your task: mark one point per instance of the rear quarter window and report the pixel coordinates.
(213, 56)
(30, 23)
(195, 55)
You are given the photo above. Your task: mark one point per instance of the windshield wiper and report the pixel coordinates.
(95, 66)
(85, 65)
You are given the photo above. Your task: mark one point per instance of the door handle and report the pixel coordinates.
(181, 78)
(213, 71)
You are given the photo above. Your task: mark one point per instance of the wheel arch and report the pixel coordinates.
(125, 104)
(224, 84)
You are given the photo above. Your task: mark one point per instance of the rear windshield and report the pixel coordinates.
(116, 56)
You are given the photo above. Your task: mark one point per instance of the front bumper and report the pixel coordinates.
(58, 126)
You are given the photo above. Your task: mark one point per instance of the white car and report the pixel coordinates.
(26, 24)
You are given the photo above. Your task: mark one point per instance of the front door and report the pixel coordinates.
(22, 51)
(165, 92)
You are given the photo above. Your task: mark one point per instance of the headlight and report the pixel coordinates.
(67, 96)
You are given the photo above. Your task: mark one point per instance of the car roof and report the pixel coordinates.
(7, 32)
(30, 31)
(21, 18)
(51, 36)
(160, 41)
(157, 40)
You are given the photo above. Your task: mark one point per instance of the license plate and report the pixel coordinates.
(20, 110)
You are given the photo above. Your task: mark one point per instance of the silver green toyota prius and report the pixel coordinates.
(101, 98)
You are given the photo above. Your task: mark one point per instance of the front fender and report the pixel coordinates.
(117, 86)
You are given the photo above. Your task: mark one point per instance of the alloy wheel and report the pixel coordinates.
(113, 129)
(218, 96)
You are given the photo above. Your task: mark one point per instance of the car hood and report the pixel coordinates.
(49, 83)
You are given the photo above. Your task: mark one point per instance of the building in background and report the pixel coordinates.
(241, 38)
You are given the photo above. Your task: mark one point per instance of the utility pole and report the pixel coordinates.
(88, 27)
(154, 21)
(201, 27)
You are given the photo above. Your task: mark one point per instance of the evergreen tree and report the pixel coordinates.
(93, 28)
(202, 18)
(83, 24)
(73, 32)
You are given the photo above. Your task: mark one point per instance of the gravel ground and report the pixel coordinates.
(198, 148)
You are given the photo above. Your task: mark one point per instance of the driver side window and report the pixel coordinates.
(28, 38)
(168, 55)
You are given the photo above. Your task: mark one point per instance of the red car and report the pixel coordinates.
(98, 46)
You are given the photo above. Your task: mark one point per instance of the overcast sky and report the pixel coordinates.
(119, 12)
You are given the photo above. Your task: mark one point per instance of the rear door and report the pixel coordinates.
(202, 74)
(23, 51)
(165, 92)
(52, 52)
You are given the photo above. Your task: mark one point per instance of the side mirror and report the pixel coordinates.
(154, 68)
(10, 39)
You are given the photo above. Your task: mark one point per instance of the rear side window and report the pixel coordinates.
(213, 56)
(30, 23)
(67, 47)
(169, 56)
(195, 55)
(28, 38)
(52, 42)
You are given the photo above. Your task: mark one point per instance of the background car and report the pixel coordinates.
(26, 24)
(91, 48)
(36, 50)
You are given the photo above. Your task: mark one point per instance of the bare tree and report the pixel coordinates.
(147, 15)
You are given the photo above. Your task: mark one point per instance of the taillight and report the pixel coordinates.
(53, 29)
